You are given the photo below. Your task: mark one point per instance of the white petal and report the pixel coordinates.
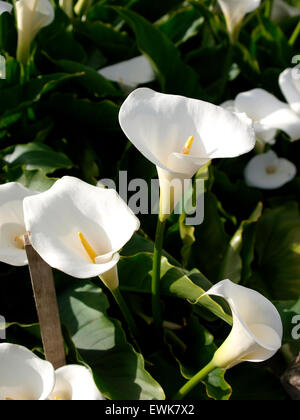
(75, 383)
(32, 16)
(256, 173)
(289, 82)
(5, 7)
(282, 10)
(229, 105)
(12, 225)
(24, 376)
(266, 109)
(131, 73)
(159, 125)
(257, 327)
(235, 10)
(55, 217)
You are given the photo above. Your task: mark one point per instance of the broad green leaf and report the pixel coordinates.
(119, 371)
(290, 315)
(173, 74)
(278, 249)
(135, 276)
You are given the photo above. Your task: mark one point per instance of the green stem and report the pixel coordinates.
(295, 35)
(195, 381)
(158, 245)
(268, 8)
(125, 311)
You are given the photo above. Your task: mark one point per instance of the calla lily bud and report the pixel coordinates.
(180, 135)
(24, 376)
(281, 10)
(5, 7)
(257, 330)
(79, 229)
(131, 73)
(75, 383)
(32, 16)
(12, 225)
(235, 11)
(67, 6)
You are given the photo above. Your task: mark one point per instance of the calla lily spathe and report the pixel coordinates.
(235, 11)
(268, 113)
(267, 171)
(24, 376)
(281, 10)
(289, 82)
(5, 7)
(32, 16)
(67, 6)
(12, 225)
(78, 228)
(75, 383)
(257, 330)
(131, 73)
(179, 135)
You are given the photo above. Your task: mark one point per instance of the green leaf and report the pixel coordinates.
(118, 370)
(135, 276)
(173, 74)
(290, 316)
(36, 156)
(278, 249)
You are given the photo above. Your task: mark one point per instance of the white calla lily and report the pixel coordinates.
(75, 383)
(12, 225)
(257, 330)
(131, 73)
(5, 7)
(235, 11)
(267, 171)
(268, 113)
(281, 10)
(289, 82)
(24, 376)
(79, 229)
(179, 135)
(32, 16)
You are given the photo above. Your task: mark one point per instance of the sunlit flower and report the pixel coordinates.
(32, 16)
(12, 225)
(5, 7)
(268, 113)
(267, 171)
(257, 330)
(24, 376)
(75, 383)
(131, 73)
(79, 229)
(281, 10)
(289, 82)
(67, 6)
(179, 135)
(235, 11)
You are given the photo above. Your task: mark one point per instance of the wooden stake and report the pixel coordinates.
(46, 303)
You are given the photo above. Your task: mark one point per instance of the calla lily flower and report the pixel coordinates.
(75, 383)
(12, 225)
(5, 7)
(281, 10)
(131, 73)
(269, 114)
(268, 172)
(79, 229)
(24, 376)
(235, 11)
(32, 16)
(290, 87)
(257, 330)
(179, 135)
